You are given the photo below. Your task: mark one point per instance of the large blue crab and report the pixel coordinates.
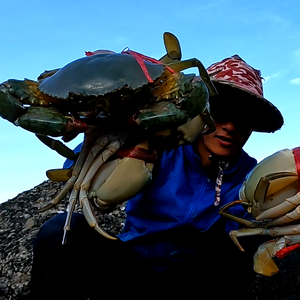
(120, 101)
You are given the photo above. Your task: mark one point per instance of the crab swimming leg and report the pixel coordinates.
(116, 142)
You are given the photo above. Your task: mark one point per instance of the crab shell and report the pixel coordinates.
(270, 184)
(113, 75)
(99, 74)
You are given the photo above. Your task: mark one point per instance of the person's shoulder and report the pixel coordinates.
(174, 154)
(246, 156)
(248, 160)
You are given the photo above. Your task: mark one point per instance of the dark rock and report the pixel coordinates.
(20, 222)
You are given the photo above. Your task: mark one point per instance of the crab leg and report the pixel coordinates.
(58, 146)
(267, 187)
(224, 212)
(234, 234)
(112, 148)
(291, 233)
(274, 231)
(70, 183)
(91, 166)
(289, 217)
(284, 207)
(70, 209)
(194, 62)
(81, 168)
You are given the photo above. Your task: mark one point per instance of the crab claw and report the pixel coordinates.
(273, 179)
(10, 107)
(263, 258)
(173, 49)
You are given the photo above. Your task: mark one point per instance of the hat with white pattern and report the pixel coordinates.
(233, 75)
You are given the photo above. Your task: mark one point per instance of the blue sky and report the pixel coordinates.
(37, 37)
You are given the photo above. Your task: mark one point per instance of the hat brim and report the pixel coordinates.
(266, 116)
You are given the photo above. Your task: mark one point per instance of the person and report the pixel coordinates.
(174, 241)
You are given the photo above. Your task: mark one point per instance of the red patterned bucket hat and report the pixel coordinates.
(234, 76)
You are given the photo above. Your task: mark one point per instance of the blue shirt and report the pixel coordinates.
(180, 195)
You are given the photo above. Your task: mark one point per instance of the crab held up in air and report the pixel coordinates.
(129, 107)
(271, 195)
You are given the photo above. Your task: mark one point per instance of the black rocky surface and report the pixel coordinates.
(20, 222)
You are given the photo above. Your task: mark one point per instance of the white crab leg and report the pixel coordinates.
(86, 161)
(234, 234)
(70, 183)
(99, 145)
(89, 216)
(283, 208)
(71, 207)
(83, 194)
(265, 197)
(288, 218)
(224, 212)
(81, 166)
(291, 232)
(57, 146)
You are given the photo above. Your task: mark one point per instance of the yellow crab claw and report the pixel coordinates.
(59, 175)
(173, 49)
(263, 262)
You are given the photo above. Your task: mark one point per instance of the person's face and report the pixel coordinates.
(228, 139)
(234, 124)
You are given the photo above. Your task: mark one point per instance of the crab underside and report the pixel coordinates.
(271, 195)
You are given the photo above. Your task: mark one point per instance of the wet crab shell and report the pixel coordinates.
(98, 75)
